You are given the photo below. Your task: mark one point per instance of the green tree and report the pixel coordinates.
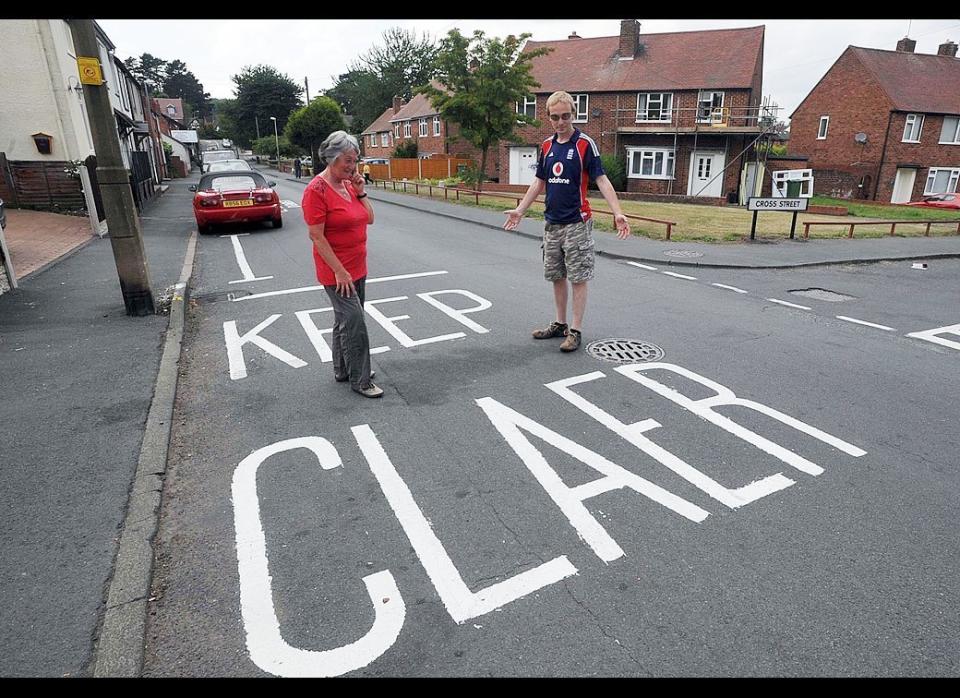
(406, 149)
(149, 70)
(360, 94)
(310, 125)
(268, 146)
(222, 117)
(178, 82)
(484, 78)
(261, 92)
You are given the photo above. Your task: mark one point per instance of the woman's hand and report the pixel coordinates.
(344, 283)
(358, 182)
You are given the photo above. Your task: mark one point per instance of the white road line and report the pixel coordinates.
(863, 322)
(304, 289)
(730, 288)
(245, 269)
(642, 266)
(931, 335)
(789, 305)
(679, 276)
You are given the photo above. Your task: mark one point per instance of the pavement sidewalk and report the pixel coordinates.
(78, 379)
(756, 255)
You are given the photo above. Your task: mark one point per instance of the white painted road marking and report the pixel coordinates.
(931, 336)
(864, 322)
(679, 276)
(287, 204)
(234, 342)
(730, 288)
(304, 289)
(265, 642)
(789, 305)
(642, 266)
(245, 269)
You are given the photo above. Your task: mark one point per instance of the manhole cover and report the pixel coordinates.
(683, 253)
(624, 351)
(822, 294)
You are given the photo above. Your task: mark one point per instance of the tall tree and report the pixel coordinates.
(484, 79)
(178, 82)
(262, 91)
(309, 126)
(361, 95)
(149, 70)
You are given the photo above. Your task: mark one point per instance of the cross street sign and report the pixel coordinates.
(776, 204)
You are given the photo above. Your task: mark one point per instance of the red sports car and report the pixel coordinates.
(949, 201)
(235, 197)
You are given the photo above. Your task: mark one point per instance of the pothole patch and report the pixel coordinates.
(822, 294)
(683, 253)
(624, 351)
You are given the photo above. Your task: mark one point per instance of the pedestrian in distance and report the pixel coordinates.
(565, 164)
(297, 167)
(337, 212)
(366, 172)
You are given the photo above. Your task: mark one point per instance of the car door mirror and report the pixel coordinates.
(193, 187)
(271, 184)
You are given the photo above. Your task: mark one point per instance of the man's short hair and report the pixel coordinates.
(560, 96)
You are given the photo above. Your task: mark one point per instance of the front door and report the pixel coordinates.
(523, 165)
(903, 185)
(706, 175)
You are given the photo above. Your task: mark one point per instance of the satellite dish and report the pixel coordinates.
(860, 137)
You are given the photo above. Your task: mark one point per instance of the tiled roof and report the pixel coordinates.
(915, 81)
(721, 58)
(163, 102)
(381, 124)
(417, 107)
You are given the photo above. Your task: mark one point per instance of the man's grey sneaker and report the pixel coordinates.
(572, 342)
(556, 329)
(371, 390)
(344, 378)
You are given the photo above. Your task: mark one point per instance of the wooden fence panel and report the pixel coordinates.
(46, 185)
(414, 168)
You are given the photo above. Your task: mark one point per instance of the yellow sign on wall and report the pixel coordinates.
(90, 73)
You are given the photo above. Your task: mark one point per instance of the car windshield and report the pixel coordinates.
(232, 183)
(229, 165)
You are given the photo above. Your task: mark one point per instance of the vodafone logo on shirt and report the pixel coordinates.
(557, 171)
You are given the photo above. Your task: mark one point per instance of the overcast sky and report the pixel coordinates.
(796, 52)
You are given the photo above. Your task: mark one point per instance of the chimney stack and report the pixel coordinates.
(948, 49)
(573, 35)
(906, 45)
(397, 103)
(629, 38)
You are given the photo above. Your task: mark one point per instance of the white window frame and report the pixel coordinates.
(385, 139)
(952, 181)
(956, 130)
(373, 140)
(668, 162)
(703, 99)
(396, 130)
(580, 116)
(823, 128)
(406, 129)
(911, 125)
(423, 127)
(528, 105)
(436, 125)
(665, 100)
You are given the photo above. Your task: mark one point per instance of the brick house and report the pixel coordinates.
(883, 125)
(683, 109)
(377, 139)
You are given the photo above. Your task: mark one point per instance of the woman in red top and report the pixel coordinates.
(337, 212)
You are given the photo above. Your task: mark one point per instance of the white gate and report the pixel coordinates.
(523, 165)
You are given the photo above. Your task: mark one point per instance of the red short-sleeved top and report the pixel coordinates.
(345, 228)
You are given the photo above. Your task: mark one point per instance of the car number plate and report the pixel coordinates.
(242, 202)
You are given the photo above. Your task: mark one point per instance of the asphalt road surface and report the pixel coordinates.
(775, 495)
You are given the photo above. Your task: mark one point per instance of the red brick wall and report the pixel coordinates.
(927, 153)
(434, 145)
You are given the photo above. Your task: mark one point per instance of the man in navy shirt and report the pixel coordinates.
(565, 164)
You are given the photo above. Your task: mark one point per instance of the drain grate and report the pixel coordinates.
(624, 351)
(683, 253)
(822, 294)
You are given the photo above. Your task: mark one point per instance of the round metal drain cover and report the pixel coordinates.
(624, 351)
(683, 253)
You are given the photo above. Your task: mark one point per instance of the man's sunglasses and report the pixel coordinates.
(566, 116)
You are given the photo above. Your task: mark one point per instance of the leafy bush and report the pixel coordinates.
(616, 168)
(407, 149)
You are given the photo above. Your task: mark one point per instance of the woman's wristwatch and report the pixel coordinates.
(360, 196)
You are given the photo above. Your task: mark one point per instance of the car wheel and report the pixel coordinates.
(204, 229)
(278, 222)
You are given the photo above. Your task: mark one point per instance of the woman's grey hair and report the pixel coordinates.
(336, 144)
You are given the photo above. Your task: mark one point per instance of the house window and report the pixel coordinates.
(942, 180)
(406, 129)
(655, 106)
(710, 107)
(396, 130)
(580, 105)
(385, 139)
(171, 110)
(373, 140)
(650, 163)
(423, 127)
(950, 133)
(436, 125)
(528, 106)
(822, 130)
(911, 130)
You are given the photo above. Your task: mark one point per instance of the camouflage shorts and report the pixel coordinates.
(568, 251)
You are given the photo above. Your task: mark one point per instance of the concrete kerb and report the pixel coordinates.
(120, 647)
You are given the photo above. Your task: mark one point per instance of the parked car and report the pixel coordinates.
(227, 165)
(235, 197)
(216, 156)
(374, 161)
(307, 161)
(948, 201)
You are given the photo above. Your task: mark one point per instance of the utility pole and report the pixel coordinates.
(125, 235)
(256, 122)
(307, 84)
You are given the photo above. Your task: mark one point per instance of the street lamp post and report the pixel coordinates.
(274, 120)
